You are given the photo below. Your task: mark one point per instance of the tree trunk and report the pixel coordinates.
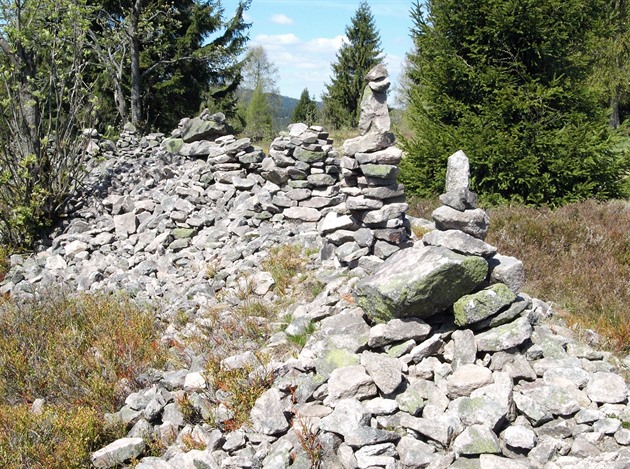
(136, 77)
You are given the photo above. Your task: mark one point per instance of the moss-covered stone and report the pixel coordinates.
(183, 233)
(381, 171)
(481, 305)
(172, 145)
(419, 282)
(308, 156)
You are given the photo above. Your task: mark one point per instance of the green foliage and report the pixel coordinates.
(187, 58)
(306, 110)
(506, 82)
(259, 117)
(611, 52)
(45, 103)
(354, 60)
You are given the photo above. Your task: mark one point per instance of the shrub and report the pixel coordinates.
(576, 257)
(58, 438)
(73, 352)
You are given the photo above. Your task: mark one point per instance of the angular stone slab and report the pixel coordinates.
(370, 142)
(505, 336)
(391, 155)
(476, 440)
(460, 242)
(398, 330)
(508, 270)
(457, 171)
(118, 452)
(474, 222)
(198, 129)
(268, 413)
(419, 282)
(470, 309)
(386, 371)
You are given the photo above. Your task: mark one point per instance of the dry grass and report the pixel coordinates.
(72, 352)
(577, 257)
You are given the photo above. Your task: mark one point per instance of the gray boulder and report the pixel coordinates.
(474, 222)
(419, 282)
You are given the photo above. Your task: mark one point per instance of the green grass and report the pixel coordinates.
(72, 352)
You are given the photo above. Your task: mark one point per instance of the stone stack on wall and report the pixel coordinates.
(304, 166)
(371, 226)
(462, 227)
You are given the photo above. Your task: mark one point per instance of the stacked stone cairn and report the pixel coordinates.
(462, 227)
(304, 166)
(371, 225)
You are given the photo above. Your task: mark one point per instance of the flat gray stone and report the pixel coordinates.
(302, 213)
(486, 303)
(505, 336)
(398, 330)
(370, 142)
(117, 452)
(459, 242)
(607, 388)
(466, 379)
(418, 282)
(474, 222)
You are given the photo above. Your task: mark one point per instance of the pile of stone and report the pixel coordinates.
(434, 360)
(303, 164)
(372, 222)
(462, 227)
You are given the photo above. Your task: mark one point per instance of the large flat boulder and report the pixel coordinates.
(197, 129)
(419, 282)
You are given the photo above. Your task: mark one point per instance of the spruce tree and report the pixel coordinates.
(354, 59)
(306, 109)
(506, 81)
(166, 59)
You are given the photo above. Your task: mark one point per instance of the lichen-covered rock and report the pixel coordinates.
(199, 129)
(419, 282)
(470, 309)
(505, 336)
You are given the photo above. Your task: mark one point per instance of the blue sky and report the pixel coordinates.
(302, 37)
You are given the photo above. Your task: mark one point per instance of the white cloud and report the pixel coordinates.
(281, 19)
(276, 40)
(325, 44)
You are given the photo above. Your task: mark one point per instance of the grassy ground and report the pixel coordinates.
(81, 356)
(576, 257)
